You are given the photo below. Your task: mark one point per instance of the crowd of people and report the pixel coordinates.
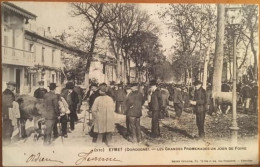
(60, 110)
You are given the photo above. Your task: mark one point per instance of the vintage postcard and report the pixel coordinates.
(104, 84)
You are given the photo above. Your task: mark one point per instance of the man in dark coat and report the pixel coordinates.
(40, 92)
(155, 107)
(246, 93)
(120, 96)
(134, 104)
(200, 106)
(7, 102)
(178, 102)
(112, 90)
(80, 94)
(72, 99)
(51, 113)
(93, 95)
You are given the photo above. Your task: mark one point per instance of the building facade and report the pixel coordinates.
(15, 58)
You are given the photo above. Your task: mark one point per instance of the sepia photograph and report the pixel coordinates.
(105, 84)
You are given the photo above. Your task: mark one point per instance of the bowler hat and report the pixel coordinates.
(197, 82)
(11, 83)
(70, 85)
(153, 82)
(52, 86)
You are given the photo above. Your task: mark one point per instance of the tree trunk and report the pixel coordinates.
(87, 73)
(205, 72)
(89, 58)
(218, 59)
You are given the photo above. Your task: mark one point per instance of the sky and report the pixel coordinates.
(56, 15)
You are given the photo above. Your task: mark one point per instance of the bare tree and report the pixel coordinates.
(98, 15)
(129, 20)
(250, 15)
(192, 26)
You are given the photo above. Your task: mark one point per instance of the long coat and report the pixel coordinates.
(156, 100)
(51, 111)
(134, 103)
(200, 96)
(7, 102)
(103, 114)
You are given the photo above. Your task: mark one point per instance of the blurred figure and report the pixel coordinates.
(40, 92)
(63, 118)
(51, 113)
(155, 108)
(165, 101)
(103, 116)
(200, 106)
(246, 93)
(71, 98)
(128, 91)
(134, 104)
(255, 96)
(8, 98)
(178, 103)
(112, 90)
(94, 93)
(120, 97)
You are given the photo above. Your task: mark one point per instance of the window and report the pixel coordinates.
(5, 40)
(31, 47)
(53, 77)
(43, 52)
(52, 56)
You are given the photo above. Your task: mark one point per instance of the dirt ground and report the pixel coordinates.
(216, 129)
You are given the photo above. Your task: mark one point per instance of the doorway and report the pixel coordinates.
(18, 80)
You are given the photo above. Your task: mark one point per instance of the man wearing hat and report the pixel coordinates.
(103, 115)
(112, 90)
(134, 105)
(94, 93)
(72, 99)
(155, 106)
(7, 102)
(40, 92)
(51, 112)
(178, 103)
(200, 106)
(120, 97)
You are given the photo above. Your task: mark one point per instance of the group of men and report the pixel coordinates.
(129, 100)
(104, 101)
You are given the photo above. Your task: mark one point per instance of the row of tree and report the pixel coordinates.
(130, 33)
(133, 36)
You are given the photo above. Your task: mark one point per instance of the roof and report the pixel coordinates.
(18, 10)
(56, 42)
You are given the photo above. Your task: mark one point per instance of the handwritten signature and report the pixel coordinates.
(86, 157)
(38, 158)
